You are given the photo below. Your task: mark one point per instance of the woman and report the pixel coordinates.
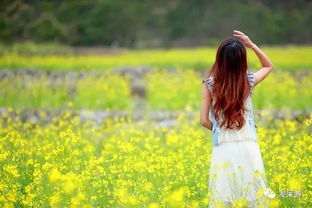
(236, 168)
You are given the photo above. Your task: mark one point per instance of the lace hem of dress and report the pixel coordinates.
(238, 140)
(247, 132)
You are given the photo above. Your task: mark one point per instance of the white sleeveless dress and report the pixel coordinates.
(236, 167)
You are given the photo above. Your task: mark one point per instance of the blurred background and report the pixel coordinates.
(99, 100)
(143, 23)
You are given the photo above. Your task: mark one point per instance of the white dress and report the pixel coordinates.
(236, 167)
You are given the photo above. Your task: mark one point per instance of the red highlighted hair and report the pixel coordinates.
(230, 83)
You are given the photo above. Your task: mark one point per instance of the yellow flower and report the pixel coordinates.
(260, 193)
(194, 203)
(132, 200)
(3, 156)
(122, 194)
(278, 177)
(54, 175)
(177, 197)
(77, 200)
(153, 205)
(12, 169)
(87, 206)
(294, 184)
(219, 204)
(69, 186)
(274, 203)
(70, 104)
(93, 198)
(12, 195)
(54, 199)
(240, 203)
(148, 186)
(9, 205)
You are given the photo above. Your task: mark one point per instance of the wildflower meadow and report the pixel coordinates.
(100, 131)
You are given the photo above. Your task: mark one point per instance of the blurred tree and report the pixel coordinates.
(133, 23)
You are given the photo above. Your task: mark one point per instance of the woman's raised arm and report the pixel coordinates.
(266, 63)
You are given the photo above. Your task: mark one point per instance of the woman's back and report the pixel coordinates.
(236, 167)
(236, 157)
(247, 132)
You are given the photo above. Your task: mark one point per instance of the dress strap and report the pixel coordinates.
(209, 83)
(251, 79)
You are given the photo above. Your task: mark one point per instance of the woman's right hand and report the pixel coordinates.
(266, 63)
(244, 38)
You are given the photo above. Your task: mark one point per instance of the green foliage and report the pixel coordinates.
(138, 23)
(29, 48)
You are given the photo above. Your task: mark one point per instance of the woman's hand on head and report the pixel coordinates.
(244, 38)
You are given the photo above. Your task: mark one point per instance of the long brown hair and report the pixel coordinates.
(230, 83)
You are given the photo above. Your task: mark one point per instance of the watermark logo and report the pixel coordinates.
(282, 194)
(290, 194)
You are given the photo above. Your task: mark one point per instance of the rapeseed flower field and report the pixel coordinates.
(67, 161)
(165, 90)
(285, 58)
(120, 163)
